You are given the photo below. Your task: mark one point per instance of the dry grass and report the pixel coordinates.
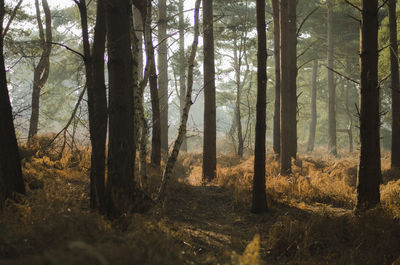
(310, 219)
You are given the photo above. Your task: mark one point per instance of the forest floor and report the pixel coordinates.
(310, 218)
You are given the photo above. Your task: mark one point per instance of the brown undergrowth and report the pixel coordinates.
(310, 218)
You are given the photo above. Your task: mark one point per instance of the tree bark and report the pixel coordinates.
(277, 58)
(163, 72)
(369, 170)
(259, 199)
(238, 117)
(42, 69)
(394, 68)
(182, 66)
(140, 118)
(11, 179)
(288, 85)
(188, 103)
(155, 103)
(97, 101)
(313, 123)
(210, 124)
(332, 149)
(121, 146)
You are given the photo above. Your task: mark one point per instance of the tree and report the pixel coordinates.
(288, 84)
(97, 101)
(163, 72)
(331, 86)
(259, 201)
(42, 69)
(394, 69)
(277, 58)
(155, 100)
(182, 66)
(210, 126)
(185, 114)
(11, 179)
(313, 123)
(369, 170)
(120, 186)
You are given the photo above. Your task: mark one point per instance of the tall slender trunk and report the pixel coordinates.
(11, 179)
(188, 103)
(100, 109)
(238, 119)
(121, 146)
(259, 200)
(97, 101)
(394, 68)
(182, 66)
(350, 117)
(313, 123)
(331, 86)
(163, 72)
(42, 69)
(155, 103)
(210, 124)
(277, 58)
(369, 170)
(288, 84)
(140, 118)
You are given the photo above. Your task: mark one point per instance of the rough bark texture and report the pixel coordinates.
(369, 171)
(163, 72)
(11, 179)
(121, 146)
(182, 128)
(182, 66)
(277, 58)
(259, 200)
(42, 69)
(210, 126)
(313, 123)
(394, 67)
(140, 118)
(288, 84)
(331, 86)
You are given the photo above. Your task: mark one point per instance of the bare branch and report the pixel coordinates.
(13, 14)
(69, 49)
(348, 78)
(305, 19)
(353, 5)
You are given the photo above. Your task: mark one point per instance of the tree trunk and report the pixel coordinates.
(259, 201)
(42, 69)
(369, 171)
(238, 119)
(288, 85)
(394, 68)
(277, 58)
(182, 66)
(121, 146)
(350, 117)
(99, 132)
(140, 118)
(331, 86)
(11, 179)
(155, 103)
(163, 72)
(313, 123)
(97, 101)
(210, 124)
(188, 103)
